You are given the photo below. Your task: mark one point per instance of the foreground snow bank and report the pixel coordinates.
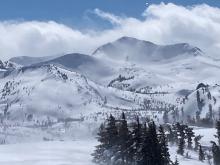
(48, 153)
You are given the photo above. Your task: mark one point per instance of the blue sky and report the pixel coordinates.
(75, 12)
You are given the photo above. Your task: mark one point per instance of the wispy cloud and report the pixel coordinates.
(163, 24)
(109, 17)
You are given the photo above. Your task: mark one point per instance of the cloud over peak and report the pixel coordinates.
(163, 24)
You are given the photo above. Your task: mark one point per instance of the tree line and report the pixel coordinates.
(131, 144)
(136, 143)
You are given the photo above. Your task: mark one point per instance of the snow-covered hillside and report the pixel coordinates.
(128, 74)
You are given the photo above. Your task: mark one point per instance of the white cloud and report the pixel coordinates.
(163, 24)
(108, 16)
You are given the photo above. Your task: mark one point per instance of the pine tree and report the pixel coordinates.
(105, 100)
(210, 112)
(146, 147)
(164, 146)
(124, 141)
(181, 135)
(218, 131)
(111, 138)
(141, 146)
(176, 162)
(165, 117)
(189, 135)
(175, 133)
(197, 117)
(170, 135)
(136, 140)
(216, 153)
(201, 154)
(181, 146)
(155, 147)
(98, 155)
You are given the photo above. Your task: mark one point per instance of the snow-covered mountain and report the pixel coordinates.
(46, 90)
(138, 51)
(25, 60)
(128, 74)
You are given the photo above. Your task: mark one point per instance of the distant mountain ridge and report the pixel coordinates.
(26, 60)
(127, 48)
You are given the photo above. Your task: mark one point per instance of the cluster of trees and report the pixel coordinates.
(138, 143)
(120, 78)
(178, 115)
(183, 136)
(134, 144)
(155, 105)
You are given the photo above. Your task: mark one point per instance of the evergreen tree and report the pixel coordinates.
(189, 135)
(164, 146)
(218, 131)
(111, 138)
(196, 140)
(201, 154)
(170, 135)
(181, 136)
(216, 153)
(146, 147)
(135, 141)
(155, 147)
(209, 95)
(124, 141)
(210, 112)
(98, 155)
(141, 146)
(182, 112)
(181, 146)
(105, 100)
(165, 117)
(176, 132)
(176, 162)
(197, 117)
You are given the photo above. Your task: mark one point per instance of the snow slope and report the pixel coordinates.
(25, 60)
(48, 153)
(45, 90)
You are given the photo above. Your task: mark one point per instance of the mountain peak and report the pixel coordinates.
(140, 51)
(127, 39)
